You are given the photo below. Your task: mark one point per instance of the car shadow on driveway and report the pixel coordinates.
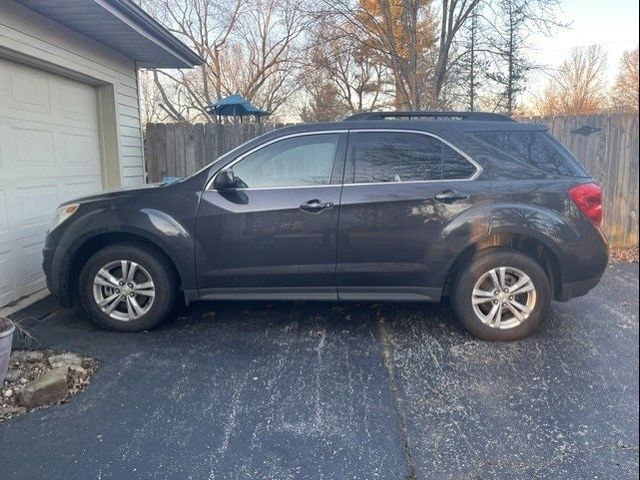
(322, 390)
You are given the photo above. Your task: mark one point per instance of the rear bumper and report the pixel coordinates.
(577, 289)
(583, 263)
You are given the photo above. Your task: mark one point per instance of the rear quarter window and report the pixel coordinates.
(538, 149)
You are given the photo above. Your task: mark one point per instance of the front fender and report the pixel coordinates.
(166, 232)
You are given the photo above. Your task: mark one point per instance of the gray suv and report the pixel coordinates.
(401, 206)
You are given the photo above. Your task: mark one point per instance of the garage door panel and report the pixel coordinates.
(86, 187)
(7, 286)
(29, 92)
(49, 153)
(31, 256)
(81, 149)
(36, 204)
(4, 213)
(33, 147)
(6, 220)
(77, 102)
(46, 151)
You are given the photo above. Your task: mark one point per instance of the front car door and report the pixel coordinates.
(274, 235)
(402, 212)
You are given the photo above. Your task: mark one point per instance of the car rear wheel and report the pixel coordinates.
(501, 295)
(127, 288)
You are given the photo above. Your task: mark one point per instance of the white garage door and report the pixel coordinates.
(49, 153)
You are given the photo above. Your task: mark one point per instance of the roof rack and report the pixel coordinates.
(481, 116)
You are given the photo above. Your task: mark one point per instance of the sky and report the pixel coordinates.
(613, 24)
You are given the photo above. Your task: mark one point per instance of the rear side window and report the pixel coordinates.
(538, 149)
(377, 157)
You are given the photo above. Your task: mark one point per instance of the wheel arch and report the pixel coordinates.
(530, 245)
(91, 245)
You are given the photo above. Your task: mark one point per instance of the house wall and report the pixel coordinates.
(29, 37)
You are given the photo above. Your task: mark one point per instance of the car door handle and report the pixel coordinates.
(315, 206)
(450, 196)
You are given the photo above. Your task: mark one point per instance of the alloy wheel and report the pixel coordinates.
(124, 290)
(503, 297)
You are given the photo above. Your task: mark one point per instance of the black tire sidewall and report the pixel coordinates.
(482, 263)
(158, 268)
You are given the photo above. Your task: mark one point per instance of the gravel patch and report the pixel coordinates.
(37, 378)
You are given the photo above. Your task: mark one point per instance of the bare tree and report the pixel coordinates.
(510, 63)
(353, 55)
(578, 87)
(336, 64)
(397, 35)
(250, 47)
(626, 89)
(454, 14)
(469, 65)
(323, 103)
(511, 23)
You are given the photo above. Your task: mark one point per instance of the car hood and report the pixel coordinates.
(118, 193)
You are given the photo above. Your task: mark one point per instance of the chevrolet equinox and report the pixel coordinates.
(403, 206)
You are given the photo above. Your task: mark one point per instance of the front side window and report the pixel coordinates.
(292, 162)
(377, 157)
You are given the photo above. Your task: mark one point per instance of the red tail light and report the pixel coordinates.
(588, 198)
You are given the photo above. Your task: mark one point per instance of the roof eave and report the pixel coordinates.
(128, 12)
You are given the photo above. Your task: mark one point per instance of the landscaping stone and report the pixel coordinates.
(64, 360)
(12, 376)
(78, 370)
(27, 356)
(49, 388)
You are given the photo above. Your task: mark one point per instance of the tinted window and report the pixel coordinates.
(403, 157)
(293, 162)
(535, 148)
(454, 165)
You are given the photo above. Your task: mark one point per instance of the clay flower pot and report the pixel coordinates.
(6, 337)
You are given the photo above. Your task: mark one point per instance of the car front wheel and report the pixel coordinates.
(501, 295)
(127, 288)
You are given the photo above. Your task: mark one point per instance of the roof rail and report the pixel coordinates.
(481, 116)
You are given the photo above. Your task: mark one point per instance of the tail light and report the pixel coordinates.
(588, 198)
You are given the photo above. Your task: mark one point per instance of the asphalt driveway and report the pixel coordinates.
(342, 391)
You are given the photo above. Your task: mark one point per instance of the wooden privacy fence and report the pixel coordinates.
(177, 149)
(607, 145)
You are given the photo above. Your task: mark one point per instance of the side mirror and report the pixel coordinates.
(225, 180)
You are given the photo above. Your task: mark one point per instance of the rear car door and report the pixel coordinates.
(402, 189)
(274, 236)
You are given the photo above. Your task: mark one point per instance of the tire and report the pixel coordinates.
(522, 312)
(150, 266)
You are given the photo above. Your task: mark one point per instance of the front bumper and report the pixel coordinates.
(55, 277)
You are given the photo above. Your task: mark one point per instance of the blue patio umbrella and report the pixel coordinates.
(235, 106)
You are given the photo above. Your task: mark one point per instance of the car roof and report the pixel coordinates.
(433, 126)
